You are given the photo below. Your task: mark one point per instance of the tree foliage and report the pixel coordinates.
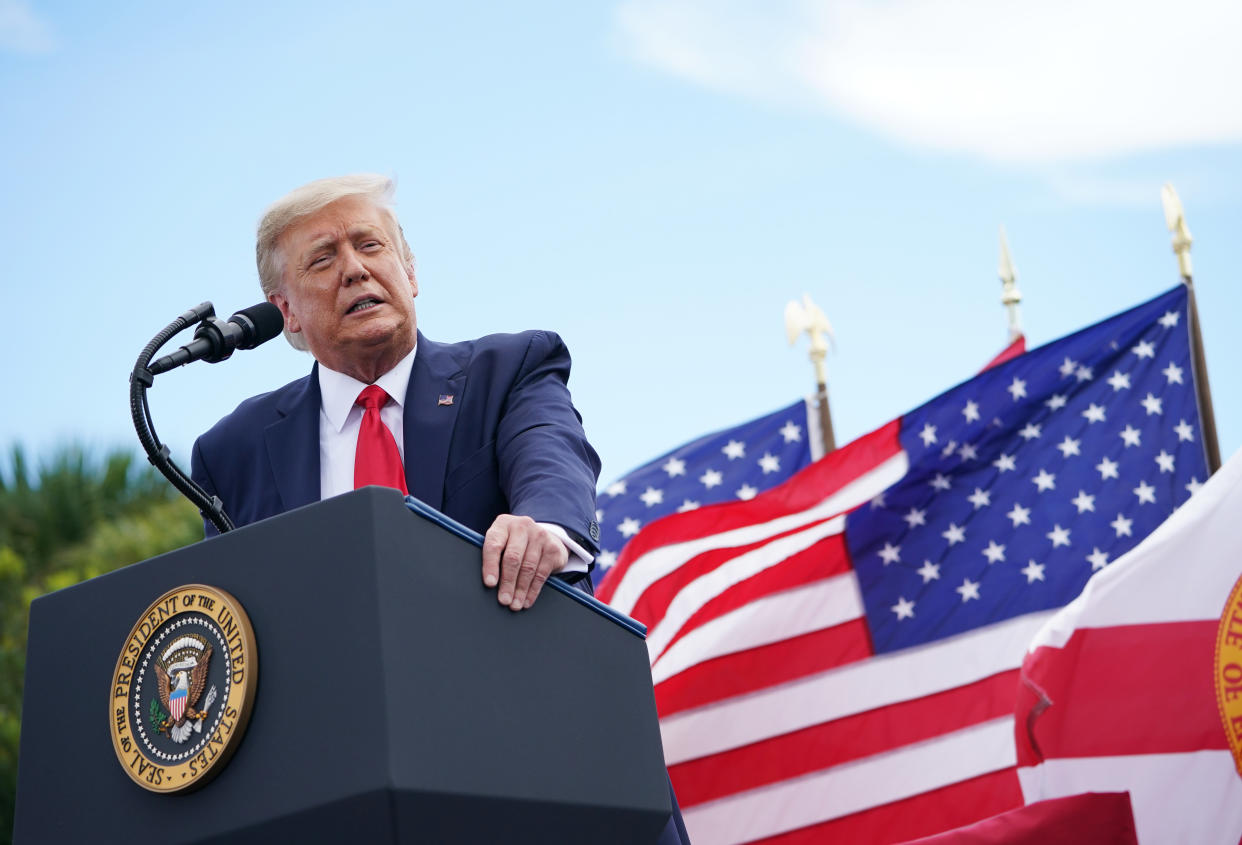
(72, 518)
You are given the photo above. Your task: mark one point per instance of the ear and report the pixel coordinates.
(409, 273)
(281, 301)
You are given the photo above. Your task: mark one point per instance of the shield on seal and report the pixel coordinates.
(177, 699)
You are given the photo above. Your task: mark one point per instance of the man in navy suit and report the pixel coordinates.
(485, 429)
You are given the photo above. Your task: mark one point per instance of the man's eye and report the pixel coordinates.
(371, 245)
(320, 261)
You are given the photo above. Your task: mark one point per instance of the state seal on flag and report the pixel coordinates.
(1228, 666)
(183, 688)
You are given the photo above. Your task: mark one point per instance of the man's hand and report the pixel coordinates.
(519, 555)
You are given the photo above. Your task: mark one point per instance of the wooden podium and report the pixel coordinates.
(396, 700)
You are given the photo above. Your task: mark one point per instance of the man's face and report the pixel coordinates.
(346, 287)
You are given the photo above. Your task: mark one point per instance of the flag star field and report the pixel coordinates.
(1075, 452)
(732, 464)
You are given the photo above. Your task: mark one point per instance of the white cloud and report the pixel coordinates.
(21, 30)
(732, 45)
(1017, 81)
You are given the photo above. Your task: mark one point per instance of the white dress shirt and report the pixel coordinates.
(340, 420)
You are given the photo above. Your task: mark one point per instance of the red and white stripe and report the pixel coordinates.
(1128, 668)
(779, 723)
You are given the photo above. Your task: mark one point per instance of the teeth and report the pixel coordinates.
(363, 305)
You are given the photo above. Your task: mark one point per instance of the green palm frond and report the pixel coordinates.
(74, 517)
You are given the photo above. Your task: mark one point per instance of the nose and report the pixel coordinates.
(352, 269)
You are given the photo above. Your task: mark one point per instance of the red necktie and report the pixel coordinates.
(377, 460)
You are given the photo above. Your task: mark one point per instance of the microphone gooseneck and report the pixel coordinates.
(214, 341)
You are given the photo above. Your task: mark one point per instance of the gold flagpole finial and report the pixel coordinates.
(1175, 219)
(1011, 297)
(807, 318)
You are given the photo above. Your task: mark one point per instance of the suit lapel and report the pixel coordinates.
(293, 445)
(431, 403)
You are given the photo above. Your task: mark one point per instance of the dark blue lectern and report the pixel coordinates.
(397, 701)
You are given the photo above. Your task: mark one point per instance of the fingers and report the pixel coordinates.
(511, 560)
(518, 557)
(493, 545)
(528, 572)
(559, 555)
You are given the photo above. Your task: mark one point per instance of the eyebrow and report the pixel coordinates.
(321, 242)
(366, 229)
(329, 241)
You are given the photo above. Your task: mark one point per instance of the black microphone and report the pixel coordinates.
(215, 339)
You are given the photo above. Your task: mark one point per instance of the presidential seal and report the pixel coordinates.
(183, 688)
(1228, 674)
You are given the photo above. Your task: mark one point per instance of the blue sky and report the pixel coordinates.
(654, 180)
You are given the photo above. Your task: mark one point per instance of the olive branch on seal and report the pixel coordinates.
(156, 715)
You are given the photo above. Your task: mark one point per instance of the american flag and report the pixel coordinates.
(837, 659)
(732, 464)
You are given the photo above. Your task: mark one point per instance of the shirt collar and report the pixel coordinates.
(339, 391)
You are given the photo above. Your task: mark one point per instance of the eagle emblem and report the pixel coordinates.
(181, 674)
(181, 693)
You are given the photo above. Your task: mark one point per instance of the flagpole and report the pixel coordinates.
(807, 318)
(1175, 219)
(1011, 297)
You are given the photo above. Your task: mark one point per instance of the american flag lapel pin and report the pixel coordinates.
(445, 399)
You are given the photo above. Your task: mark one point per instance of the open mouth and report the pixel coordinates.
(362, 305)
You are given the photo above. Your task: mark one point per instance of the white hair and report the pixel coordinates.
(306, 200)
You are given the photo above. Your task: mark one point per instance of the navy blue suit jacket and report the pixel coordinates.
(509, 441)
